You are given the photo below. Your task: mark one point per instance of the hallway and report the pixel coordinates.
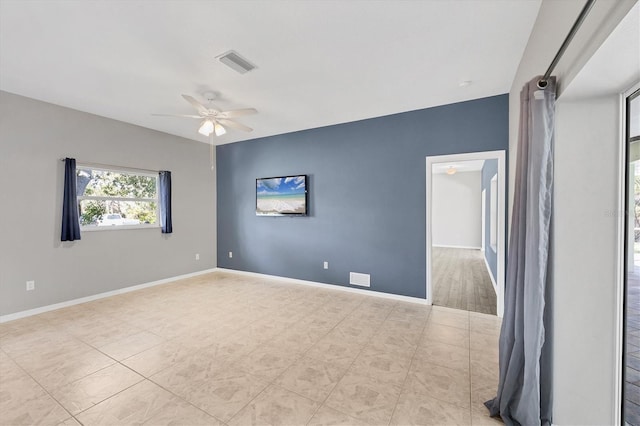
(461, 281)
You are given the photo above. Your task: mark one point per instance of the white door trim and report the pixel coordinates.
(621, 258)
(486, 155)
(483, 218)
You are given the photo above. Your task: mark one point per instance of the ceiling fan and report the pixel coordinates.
(213, 119)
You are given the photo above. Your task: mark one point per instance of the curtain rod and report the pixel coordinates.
(542, 83)
(111, 167)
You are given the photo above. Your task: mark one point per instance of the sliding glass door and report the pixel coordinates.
(631, 392)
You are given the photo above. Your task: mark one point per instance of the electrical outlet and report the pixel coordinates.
(230, 254)
(197, 256)
(326, 265)
(31, 285)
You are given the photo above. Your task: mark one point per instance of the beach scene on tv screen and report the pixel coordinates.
(282, 195)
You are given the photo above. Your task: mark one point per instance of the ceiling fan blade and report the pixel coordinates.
(177, 115)
(237, 112)
(232, 124)
(197, 105)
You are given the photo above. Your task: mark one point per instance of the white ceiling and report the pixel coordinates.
(319, 62)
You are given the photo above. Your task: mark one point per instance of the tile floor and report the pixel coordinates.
(632, 373)
(226, 349)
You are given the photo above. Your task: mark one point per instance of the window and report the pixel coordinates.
(116, 199)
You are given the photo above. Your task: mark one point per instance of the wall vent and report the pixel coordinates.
(356, 278)
(233, 60)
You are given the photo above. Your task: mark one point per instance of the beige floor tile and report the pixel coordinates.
(384, 366)
(412, 310)
(276, 406)
(369, 316)
(90, 390)
(335, 351)
(483, 323)
(351, 333)
(484, 365)
(298, 341)
(266, 362)
(188, 373)
(160, 325)
(131, 345)
(202, 337)
(311, 378)
(135, 405)
(393, 343)
(9, 370)
(318, 322)
(480, 416)
(225, 394)
(417, 409)
(444, 355)
(402, 324)
(42, 345)
(52, 354)
(482, 342)
(17, 387)
(483, 386)
(327, 416)
(158, 358)
(71, 421)
(444, 384)
(230, 348)
(365, 398)
(180, 413)
(66, 369)
(446, 334)
(265, 330)
(99, 334)
(39, 410)
(449, 317)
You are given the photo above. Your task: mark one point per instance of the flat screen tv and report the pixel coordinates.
(281, 196)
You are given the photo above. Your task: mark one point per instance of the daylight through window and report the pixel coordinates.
(112, 198)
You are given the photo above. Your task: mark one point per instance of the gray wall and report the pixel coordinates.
(457, 211)
(33, 137)
(367, 194)
(489, 169)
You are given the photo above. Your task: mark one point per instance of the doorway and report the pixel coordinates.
(465, 225)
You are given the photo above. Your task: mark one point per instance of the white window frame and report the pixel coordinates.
(121, 170)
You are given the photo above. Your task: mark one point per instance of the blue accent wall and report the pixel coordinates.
(366, 194)
(489, 169)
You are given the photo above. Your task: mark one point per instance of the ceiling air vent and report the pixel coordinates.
(236, 62)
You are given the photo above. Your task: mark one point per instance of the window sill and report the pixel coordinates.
(116, 228)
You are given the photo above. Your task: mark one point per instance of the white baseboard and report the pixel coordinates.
(328, 286)
(458, 247)
(36, 311)
(493, 281)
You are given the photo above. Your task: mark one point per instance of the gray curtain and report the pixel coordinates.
(524, 391)
(165, 202)
(70, 220)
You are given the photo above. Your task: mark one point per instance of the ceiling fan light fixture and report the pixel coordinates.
(219, 129)
(206, 128)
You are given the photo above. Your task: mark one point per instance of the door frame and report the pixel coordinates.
(623, 245)
(502, 195)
